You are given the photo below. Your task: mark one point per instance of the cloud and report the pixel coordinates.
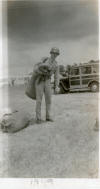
(44, 21)
(35, 26)
(70, 51)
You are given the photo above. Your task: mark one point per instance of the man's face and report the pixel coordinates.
(54, 55)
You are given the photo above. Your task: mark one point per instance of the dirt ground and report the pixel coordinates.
(66, 148)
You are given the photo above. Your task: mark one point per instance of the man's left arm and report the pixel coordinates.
(56, 79)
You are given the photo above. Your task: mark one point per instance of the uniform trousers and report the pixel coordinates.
(43, 87)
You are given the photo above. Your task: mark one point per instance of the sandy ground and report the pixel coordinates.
(66, 148)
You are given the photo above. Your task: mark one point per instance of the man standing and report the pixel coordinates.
(44, 85)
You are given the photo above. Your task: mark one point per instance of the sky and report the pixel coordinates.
(34, 27)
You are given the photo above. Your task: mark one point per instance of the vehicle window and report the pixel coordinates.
(71, 71)
(86, 70)
(95, 68)
(83, 70)
(75, 71)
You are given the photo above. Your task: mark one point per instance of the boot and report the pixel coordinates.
(49, 119)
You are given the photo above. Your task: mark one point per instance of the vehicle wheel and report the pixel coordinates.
(94, 87)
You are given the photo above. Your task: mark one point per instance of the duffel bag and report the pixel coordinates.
(30, 87)
(14, 122)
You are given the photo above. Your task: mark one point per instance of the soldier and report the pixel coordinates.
(44, 85)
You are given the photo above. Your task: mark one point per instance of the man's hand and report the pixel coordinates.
(57, 89)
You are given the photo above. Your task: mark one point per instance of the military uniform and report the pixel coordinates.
(44, 87)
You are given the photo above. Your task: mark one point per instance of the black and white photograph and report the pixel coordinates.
(49, 88)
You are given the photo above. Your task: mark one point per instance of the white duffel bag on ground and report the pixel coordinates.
(15, 121)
